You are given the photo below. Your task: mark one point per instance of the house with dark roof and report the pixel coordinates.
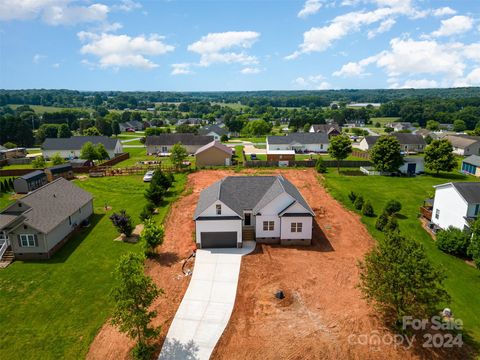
(214, 130)
(471, 165)
(38, 224)
(456, 204)
(69, 148)
(300, 142)
(131, 125)
(465, 145)
(30, 182)
(214, 154)
(332, 129)
(409, 143)
(268, 209)
(162, 144)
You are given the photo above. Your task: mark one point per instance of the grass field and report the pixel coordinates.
(463, 282)
(139, 154)
(39, 109)
(53, 309)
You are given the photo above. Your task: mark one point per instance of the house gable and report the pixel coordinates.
(294, 208)
(211, 211)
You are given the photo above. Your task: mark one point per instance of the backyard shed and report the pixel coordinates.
(29, 182)
(57, 171)
(471, 165)
(214, 154)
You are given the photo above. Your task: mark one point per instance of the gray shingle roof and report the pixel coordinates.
(53, 203)
(408, 139)
(33, 175)
(60, 168)
(326, 128)
(217, 145)
(460, 141)
(241, 193)
(76, 142)
(470, 191)
(371, 140)
(6, 219)
(301, 138)
(172, 139)
(472, 160)
(212, 128)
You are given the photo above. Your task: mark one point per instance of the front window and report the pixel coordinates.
(268, 225)
(437, 214)
(477, 209)
(219, 209)
(27, 240)
(296, 227)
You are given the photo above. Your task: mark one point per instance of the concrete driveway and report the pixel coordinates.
(207, 305)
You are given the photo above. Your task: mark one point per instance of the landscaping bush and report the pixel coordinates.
(367, 209)
(358, 204)
(393, 207)
(224, 138)
(352, 196)
(453, 241)
(320, 166)
(381, 221)
(392, 224)
(122, 222)
(39, 162)
(152, 236)
(147, 211)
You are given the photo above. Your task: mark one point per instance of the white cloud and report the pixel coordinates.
(454, 25)
(316, 82)
(212, 48)
(117, 51)
(444, 11)
(353, 69)
(181, 69)
(127, 5)
(415, 84)
(250, 70)
(384, 27)
(37, 58)
(309, 8)
(473, 78)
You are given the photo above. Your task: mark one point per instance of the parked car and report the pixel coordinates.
(148, 176)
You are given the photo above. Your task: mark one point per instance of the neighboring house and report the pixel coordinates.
(14, 153)
(401, 126)
(135, 125)
(456, 204)
(162, 144)
(448, 127)
(471, 165)
(214, 154)
(283, 157)
(410, 143)
(189, 121)
(412, 165)
(423, 132)
(363, 105)
(300, 142)
(63, 170)
(269, 209)
(465, 145)
(213, 130)
(355, 123)
(38, 224)
(69, 148)
(30, 182)
(332, 129)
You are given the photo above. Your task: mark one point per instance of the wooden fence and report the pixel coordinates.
(361, 154)
(309, 163)
(101, 171)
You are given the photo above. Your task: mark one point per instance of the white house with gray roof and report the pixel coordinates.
(38, 224)
(269, 209)
(70, 148)
(300, 142)
(456, 204)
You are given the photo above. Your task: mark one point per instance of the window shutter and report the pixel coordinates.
(19, 241)
(35, 237)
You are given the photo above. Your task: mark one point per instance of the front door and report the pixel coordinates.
(248, 219)
(411, 168)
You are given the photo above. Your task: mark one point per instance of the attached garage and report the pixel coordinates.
(226, 239)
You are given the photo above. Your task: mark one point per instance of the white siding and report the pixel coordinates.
(286, 222)
(260, 233)
(218, 226)
(67, 154)
(296, 208)
(152, 149)
(304, 147)
(363, 145)
(270, 213)
(452, 208)
(212, 210)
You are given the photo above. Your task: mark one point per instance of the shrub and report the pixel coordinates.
(320, 166)
(453, 241)
(142, 351)
(392, 224)
(358, 204)
(224, 138)
(393, 207)
(147, 211)
(39, 162)
(381, 221)
(152, 236)
(352, 196)
(367, 209)
(122, 222)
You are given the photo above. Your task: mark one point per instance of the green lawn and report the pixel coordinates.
(463, 282)
(39, 109)
(140, 154)
(5, 198)
(53, 309)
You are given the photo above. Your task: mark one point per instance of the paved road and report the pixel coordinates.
(207, 305)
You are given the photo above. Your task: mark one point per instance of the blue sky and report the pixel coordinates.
(239, 45)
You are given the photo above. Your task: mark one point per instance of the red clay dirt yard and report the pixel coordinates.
(322, 313)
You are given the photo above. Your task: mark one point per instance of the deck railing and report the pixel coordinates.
(426, 212)
(3, 247)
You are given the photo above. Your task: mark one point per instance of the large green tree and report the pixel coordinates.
(88, 151)
(151, 236)
(133, 296)
(257, 128)
(339, 148)
(397, 278)
(178, 154)
(64, 131)
(386, 154)
(474, 247)
(439, 156)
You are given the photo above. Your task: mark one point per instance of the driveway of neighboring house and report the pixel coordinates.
(207, 305)
(251, 149)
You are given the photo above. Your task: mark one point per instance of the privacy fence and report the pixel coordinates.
(309, 163)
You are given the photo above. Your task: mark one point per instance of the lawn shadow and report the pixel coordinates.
(401, 216)
(74, 240)
(452, 176)
(167, 258)
(174, 349)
